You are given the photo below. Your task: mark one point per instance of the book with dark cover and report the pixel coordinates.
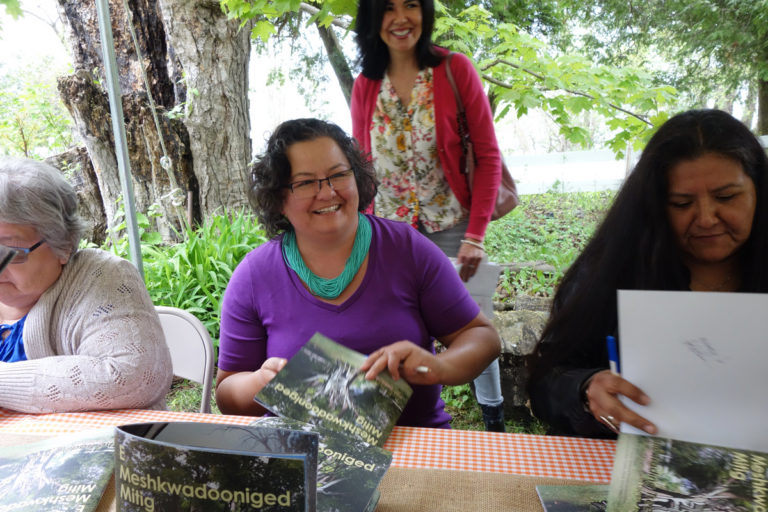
(573, 498)
(322, 385)
(656, 473)
(214, 467)
(348, 470)
(65, 474)
(373, 501)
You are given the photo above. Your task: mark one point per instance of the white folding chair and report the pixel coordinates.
(191, 349)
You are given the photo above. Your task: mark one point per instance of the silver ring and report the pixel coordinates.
(611, 422)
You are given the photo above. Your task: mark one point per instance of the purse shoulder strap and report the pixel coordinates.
(462, 123)
(449, 74)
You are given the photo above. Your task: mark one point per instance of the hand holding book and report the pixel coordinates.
(235, 390)
(404, 359)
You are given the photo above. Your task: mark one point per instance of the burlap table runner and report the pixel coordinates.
(418, 490)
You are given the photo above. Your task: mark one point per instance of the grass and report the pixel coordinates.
(548, 228)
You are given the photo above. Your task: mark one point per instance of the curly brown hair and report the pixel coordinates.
(271, 171)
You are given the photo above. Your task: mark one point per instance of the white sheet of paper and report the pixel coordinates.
(482, 285)
(702, 358)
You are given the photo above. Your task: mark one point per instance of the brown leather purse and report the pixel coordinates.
(506, 198)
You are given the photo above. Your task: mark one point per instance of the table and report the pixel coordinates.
(449, 462)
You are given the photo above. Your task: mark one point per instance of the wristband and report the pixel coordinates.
(479, 245)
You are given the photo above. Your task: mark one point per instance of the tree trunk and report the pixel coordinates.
(214, 54)
(78, 170)
(84, 95)
(762, 105)
(85, 43)
(209, 150)
(89, 107)
(338, 61)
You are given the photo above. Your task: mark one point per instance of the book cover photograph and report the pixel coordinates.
(656, 473)
(348, 470)
(322, 385)
(573, 498)
(213, 467)
(65, 474)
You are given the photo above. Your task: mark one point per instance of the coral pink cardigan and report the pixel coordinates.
(481, 130)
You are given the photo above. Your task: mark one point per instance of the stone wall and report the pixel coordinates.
(520, 329)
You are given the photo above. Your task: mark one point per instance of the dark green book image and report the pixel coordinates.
(214, 467)
(65, 474)
(348, 470)
(322, 385)
(573, 498)
(373, 501)
(656, 473)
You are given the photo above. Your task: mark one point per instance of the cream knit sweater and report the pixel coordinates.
(93, 341)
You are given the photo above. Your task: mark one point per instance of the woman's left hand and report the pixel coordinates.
(406, 359)
(469, 257)
(603, 390)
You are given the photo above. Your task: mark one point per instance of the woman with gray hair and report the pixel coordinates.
(78, 330)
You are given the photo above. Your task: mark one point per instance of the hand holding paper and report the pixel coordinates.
(603, 394)
(701, 357)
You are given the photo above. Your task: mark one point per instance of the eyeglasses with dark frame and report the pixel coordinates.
(304, 189)
(22, 253)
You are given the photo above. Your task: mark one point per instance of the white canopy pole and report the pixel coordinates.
(118, 128)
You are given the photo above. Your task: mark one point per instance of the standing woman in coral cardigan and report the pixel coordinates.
(404, 114)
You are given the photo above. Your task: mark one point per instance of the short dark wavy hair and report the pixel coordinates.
(374, 54)
(271, 171)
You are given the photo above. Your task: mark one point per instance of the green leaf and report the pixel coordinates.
(263, 30)
(12, 8)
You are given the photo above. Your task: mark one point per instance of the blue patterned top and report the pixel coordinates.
(12, 347)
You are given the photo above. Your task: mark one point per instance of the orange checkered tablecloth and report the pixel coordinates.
(426, 448)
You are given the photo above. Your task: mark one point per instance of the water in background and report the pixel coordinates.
(571, 171)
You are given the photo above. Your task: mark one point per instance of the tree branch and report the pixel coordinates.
(542, 78)
(311, 9)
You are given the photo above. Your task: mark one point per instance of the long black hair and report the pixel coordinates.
(634, 247)
(374, 54)
(271, 171)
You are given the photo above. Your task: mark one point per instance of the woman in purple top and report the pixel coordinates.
(376, 286)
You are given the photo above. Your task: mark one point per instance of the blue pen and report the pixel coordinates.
(613, 355)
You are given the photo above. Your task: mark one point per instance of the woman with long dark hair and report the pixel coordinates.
(692, 215)
(404, 113)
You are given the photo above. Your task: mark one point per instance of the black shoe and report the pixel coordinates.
(493, 417)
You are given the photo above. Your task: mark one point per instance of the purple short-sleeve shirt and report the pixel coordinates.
(410, 291)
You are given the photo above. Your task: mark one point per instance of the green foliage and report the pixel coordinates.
(457, 397)
(549, 228)
(522, 72)
(711, 50)
(33, 122)
(268, 12)
(185, 396)
(525, 73)
(193, 274)
(461, 405)
(12, 7)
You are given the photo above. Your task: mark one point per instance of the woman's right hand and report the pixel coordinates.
(235, 390)
(602, 393)
(267, 372)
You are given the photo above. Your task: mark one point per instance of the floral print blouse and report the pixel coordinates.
(403, 145)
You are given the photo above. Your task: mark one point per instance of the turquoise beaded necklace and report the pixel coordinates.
(329, 288)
